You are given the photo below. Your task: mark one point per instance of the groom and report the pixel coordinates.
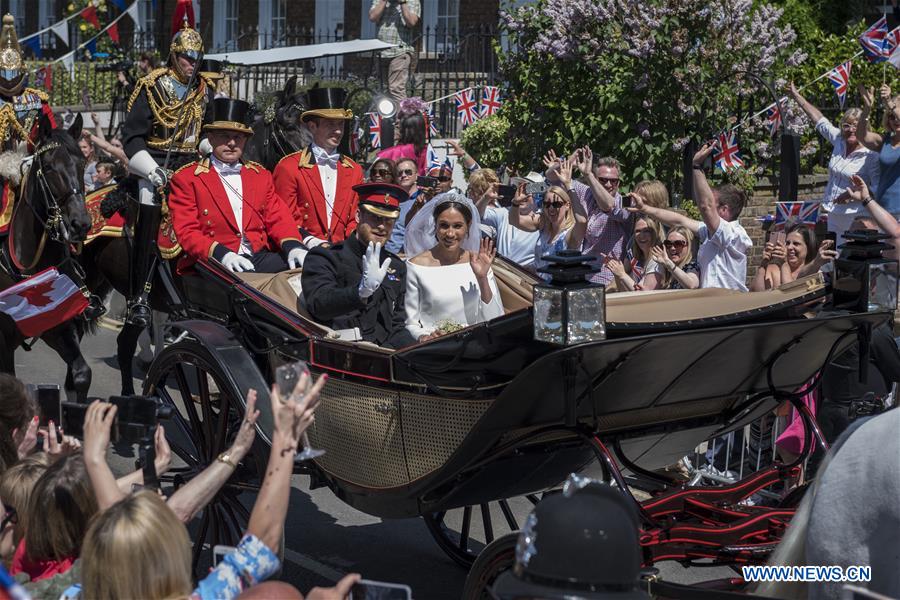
(357, 284)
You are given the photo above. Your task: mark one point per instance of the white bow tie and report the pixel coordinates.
(226, 169)
(323, 157)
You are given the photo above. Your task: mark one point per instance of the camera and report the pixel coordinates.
(120, 65)
(536, 188)
(424, 181)
(627, 201)
(136, 418)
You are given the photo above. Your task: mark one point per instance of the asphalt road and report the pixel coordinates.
(325, 538)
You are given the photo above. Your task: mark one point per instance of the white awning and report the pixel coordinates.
(277, 55)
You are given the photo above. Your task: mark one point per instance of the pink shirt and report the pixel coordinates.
(396, 153)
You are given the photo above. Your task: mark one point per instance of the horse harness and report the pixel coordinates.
(282, 146)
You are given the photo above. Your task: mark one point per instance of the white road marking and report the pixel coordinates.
(311, 564)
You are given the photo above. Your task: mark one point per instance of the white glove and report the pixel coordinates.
(373, 275)
(144, 165)
(205, 148)
(296, 257)
(237, 263)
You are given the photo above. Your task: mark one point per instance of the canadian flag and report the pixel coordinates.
(42, 302)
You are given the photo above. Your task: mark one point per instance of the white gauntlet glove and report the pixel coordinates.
(373, 275)
(296, 257)
(236, 263)
(144, 165)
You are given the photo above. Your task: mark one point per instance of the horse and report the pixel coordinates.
(277, 132)
(48, 218)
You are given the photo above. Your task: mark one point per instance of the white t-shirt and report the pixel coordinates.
(723, 257)
(512, 242)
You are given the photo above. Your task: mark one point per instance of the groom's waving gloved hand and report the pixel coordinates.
(373, 274)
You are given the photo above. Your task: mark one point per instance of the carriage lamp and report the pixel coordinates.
(569, 309)
(865, 281)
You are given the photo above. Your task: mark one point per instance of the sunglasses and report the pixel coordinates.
(674, 244)
(9, 517)
(406, 172)
(443, 179)
(554, 204)
(609, 180)
(381, 172)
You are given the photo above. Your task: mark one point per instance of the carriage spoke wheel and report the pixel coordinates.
(462, 533)
(498, 557)
(207, 414)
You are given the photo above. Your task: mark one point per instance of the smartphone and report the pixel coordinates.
(220, 551)
(506, 192)
(424, 181)
(830, 235)
(48, 404)
(72, 418)
(538, 198)
(379, 590)
(627, 201)
(287, 376)
(536, 188)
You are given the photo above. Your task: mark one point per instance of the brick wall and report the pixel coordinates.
(810, 187)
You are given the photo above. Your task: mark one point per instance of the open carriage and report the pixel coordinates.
(463, 423)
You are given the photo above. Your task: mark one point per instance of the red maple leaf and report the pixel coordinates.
(37, 295)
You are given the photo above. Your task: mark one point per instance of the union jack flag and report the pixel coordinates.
(466, 107)
(773, 119)
(796, 212)
(840, 79)
(728, 155)
(375, 130)
(891, 41)
(432, 158)
(429, 119)
(490, 100)
(874, 41)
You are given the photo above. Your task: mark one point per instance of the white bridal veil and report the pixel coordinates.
(420, 233)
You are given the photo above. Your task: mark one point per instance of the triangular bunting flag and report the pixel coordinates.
(120, 4)
(135, 13)
(89, 14)
(113, 32)
(34, 44)
(61, 30)
(68, 61)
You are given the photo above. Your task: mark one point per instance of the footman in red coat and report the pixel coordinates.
(227, 210)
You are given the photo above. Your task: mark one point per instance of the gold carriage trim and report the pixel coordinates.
(6, 215)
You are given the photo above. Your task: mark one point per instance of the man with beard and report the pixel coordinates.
(357, 284)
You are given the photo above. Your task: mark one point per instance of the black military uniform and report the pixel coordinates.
(331, 279)
(166, 112)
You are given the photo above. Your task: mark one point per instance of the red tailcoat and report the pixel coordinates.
(298, 182)
(204, 222)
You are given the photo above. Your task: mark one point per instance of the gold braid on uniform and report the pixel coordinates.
(167, 110)
(9, 122)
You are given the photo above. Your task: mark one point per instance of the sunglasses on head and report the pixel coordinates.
(406, 172)
(674, 244)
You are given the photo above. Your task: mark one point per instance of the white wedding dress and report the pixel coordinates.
(437, 295)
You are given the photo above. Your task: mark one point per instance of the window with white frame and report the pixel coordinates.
(279, 23)
(145, 39)
(17, 8)
(440, 19)
(46, 18)
(225, 25)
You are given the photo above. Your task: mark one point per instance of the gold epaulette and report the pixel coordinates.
(305, 161)
(39, 93)
(253, 166)
(145, 82)
(347, 161)
(183, 167)
(202, 166)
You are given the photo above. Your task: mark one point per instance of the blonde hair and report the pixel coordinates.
(887, 113)
(657, 231)
(480, 181)
(18, 482)
(139, 530)
(852, 114)
(569, 220)
(688, 256)
(653, 192)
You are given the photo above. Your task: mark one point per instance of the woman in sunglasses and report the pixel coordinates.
(887, 192)
(641, 272)
(382, 171)
(677, 258)
(562, 221)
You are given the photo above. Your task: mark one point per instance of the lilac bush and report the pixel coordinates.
(639, 79)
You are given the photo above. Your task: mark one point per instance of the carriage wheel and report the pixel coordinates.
(207, 412)
(462, 539)
(498, 557)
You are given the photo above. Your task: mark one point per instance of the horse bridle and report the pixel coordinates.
(54, 226)
(269, 119)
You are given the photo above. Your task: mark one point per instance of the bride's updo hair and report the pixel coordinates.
(451, 202)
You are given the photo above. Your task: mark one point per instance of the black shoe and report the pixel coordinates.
(95, 308)
(138, 314)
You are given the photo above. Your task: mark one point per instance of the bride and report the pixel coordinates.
(449, 281)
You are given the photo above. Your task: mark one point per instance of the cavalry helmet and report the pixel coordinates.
(12, 65)
(187, 42)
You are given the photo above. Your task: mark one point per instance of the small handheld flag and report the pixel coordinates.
(490, 100)
(797, 212)
(42, 302)
(466, 107)
(874, 41)
(773, 119)
(840, 79)
(728, 154)
(375, 130)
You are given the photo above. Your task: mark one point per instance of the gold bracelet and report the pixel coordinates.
(225, 458)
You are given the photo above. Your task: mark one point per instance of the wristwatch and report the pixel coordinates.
(697, 167)
(225, 458)
(866, 200)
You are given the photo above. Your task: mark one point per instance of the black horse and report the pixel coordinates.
(277, 132)
(49, 218)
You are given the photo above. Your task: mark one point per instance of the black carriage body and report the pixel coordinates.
(483, 414)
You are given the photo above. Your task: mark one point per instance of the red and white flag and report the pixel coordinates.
(42, 302)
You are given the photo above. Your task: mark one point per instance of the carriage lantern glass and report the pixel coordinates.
(865, 281)
(569, 309)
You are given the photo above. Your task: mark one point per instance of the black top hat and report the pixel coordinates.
(584, 544)
(382, 199)
(230, 115)
(211, 69)
(326, 102)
